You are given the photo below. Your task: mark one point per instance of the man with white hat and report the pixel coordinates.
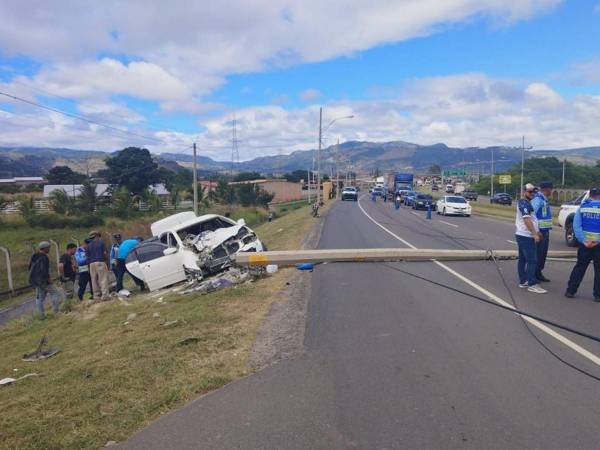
(39, 277)
(527, 235)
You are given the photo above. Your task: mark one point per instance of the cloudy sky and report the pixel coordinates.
(463, 72)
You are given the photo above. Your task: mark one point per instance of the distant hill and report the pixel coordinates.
(360, 155)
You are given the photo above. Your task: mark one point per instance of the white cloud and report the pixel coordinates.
(309, 94)
(194, 45)
(587, 71)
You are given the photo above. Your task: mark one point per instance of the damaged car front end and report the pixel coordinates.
(186, 247)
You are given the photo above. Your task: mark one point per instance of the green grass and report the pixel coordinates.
(111, 379)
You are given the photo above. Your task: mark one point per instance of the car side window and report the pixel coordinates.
(150, 251)
(169, 240)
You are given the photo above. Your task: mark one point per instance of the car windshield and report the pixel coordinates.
(424, 197)
(455, 200)
(350, 189)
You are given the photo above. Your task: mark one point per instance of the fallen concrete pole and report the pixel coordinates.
(293, 257)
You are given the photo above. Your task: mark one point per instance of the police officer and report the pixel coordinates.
(587, 231)
(541, 208)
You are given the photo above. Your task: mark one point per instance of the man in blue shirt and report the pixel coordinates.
(125, 249)
(541, 209)
(527, 235)
(114, 251)
(83, 270)
(586, 225)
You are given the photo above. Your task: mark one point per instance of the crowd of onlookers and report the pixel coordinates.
(88, 266)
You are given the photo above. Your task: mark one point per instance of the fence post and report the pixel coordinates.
(53, 242)
(11, 288)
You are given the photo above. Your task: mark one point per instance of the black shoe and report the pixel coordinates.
(597, 299)
(569, 294)
(542, 278)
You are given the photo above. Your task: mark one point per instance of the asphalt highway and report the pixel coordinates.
(392, 361)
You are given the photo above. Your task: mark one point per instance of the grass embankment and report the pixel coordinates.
(111, 379)
(20, 239)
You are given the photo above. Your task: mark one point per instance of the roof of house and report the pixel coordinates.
(22, 180)
(102, 189)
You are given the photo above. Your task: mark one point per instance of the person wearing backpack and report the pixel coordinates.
(39, 277)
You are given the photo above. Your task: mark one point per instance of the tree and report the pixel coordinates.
(61, 203)
(296, 176)
(252, 195)
(88, 199)
(247, 176)
(132, 168)
(122, 202)
(64, 175)
(223, 193)
(26, 208)
(435, 169)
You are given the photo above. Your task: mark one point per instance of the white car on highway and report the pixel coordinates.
(453, 204)
(566, 216)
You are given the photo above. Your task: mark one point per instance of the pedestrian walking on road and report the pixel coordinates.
(124, 250)
(39, 277)
(114, 251)
(84, 270)
(96, 254)
(527, 235)
(67, 270)
(543, 214)
(586, 226)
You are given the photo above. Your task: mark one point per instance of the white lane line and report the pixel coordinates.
(511, 242)
(542, 327)
(448, 223)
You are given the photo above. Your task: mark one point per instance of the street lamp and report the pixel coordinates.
(523, 163)
(321, 130)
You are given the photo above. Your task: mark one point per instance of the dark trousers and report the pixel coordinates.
(84, 280)
(584, 257)
(527, 260)
(542, 251)
(120, 271)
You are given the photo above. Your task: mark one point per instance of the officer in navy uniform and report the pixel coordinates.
(541, 208)
(587, 231)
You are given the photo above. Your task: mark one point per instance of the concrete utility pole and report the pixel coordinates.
(337, 170)
(308, 181)
(195, 178)
(523, 162)
(563, 172)
(492, 177)
(319, 155)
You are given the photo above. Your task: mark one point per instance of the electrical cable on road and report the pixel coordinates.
(515, 307)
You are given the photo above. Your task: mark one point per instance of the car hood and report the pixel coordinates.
(212, 239)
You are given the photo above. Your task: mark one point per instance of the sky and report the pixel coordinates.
(162, 76)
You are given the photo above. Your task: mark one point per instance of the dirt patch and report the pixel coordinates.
(281, 336)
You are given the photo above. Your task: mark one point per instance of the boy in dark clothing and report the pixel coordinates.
(67, 268)
(39, 276)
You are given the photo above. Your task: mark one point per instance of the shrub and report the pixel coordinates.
(55, 221)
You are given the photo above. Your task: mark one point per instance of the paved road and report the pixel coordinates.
(396, 362)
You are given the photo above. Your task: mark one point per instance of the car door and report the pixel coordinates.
(161, 264)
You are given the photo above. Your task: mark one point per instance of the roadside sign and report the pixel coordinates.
(504, 179)
(454, 173)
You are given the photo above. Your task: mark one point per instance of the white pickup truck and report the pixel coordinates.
(566, 215)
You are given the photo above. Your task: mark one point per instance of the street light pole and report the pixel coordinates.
(195, 178)
(523, 162)
(319, 156)
(492, 177)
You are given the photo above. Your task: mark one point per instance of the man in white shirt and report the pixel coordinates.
(527, 235)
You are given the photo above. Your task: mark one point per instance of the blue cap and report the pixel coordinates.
(546, 185)
(595, 191)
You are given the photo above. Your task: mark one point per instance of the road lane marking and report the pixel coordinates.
(511, 242)
(542, 327)
(448, 223)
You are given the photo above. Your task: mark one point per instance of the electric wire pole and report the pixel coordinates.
(492, 177)
(319, 156)
(195, 178)
(523, 162)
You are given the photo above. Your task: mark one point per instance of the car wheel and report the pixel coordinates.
(467, 215)
(570, 238)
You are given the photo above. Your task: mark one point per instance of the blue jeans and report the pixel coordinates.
(527, 260)
(55, 295)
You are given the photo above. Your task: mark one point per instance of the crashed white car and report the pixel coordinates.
(184, 246)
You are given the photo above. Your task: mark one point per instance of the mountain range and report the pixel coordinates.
(353, 155)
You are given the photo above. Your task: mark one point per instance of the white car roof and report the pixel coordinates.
(182, 220)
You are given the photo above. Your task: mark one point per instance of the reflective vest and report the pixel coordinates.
(81, 259)
(543, 214)
(590, 219)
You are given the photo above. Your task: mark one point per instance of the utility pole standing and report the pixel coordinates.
(319, 156)
(523, 162)
(195, 178)
(563, 172)
(337, 170)
(492, 177)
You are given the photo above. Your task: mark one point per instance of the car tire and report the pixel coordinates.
(570, 238)
(467, 215)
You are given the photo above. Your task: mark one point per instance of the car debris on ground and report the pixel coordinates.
(40, 353)
(9, 380)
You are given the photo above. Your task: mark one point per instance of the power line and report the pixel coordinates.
(78, 117)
